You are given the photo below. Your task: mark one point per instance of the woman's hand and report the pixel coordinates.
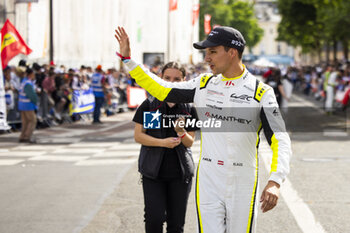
(124, 43)
(171, 142)
(179, 125)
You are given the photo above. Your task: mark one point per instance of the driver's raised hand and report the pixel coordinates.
(124, 43)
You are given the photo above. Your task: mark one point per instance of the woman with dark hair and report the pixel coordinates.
(165, 161)
(274, 80)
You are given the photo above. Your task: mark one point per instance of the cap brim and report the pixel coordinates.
(204, 44)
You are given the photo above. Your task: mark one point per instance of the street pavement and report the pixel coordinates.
(83, 178)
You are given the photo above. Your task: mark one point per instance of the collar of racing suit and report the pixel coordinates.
(237, 77)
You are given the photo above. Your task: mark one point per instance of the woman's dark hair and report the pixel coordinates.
(51, 73)
(29, 71)
(174, 65)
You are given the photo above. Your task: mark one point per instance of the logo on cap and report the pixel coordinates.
(237, 43)
(213, 32)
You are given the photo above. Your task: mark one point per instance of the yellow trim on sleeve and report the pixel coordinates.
(274, 147)
(146, 82)
(197, 190)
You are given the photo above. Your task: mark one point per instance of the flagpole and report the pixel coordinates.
(4, 11)
(51, 34)
(168, 31)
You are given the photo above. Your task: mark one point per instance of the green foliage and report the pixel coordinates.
(233, 13)
(312, 23)
(299, 25)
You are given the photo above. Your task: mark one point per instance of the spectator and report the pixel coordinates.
(331, 84)
(10, 89)
(98, 85)
(166, 187)
(287, 89)
(27, 105)
(274, 80)
(61, 94)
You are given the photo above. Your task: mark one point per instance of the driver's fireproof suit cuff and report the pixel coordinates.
(130, 65)
(275, 177)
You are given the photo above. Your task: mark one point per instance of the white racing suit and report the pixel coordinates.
(227, 173)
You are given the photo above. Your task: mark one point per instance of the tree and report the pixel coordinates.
(299, 25)
(335, 16)
(233, 13)
(314, 24)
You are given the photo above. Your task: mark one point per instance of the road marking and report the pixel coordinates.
(300, 210)
(57, 140)
(35, 148)
(78, 151)
(79, 132)
(121, 153)
(82, 153)
(122, 134)
(99, 162)
(133, 146)
(58, 158)
(335, 133)
(330, 159)
(14, 153)
(93, 145)
(8, 162)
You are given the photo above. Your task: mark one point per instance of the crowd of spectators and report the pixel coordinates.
(329, 83)
(54, 85)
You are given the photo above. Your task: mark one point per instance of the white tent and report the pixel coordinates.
(263, 62)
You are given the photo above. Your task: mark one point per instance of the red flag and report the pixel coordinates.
(11, 43)
(172, 5)
(207, 27)
(195, 13)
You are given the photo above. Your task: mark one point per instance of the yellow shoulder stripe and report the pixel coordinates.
(204, 80)
(260, 90)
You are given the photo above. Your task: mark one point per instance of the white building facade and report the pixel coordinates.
(83, 30)
(268, 19)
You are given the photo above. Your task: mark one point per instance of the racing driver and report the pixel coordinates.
(227, 173)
